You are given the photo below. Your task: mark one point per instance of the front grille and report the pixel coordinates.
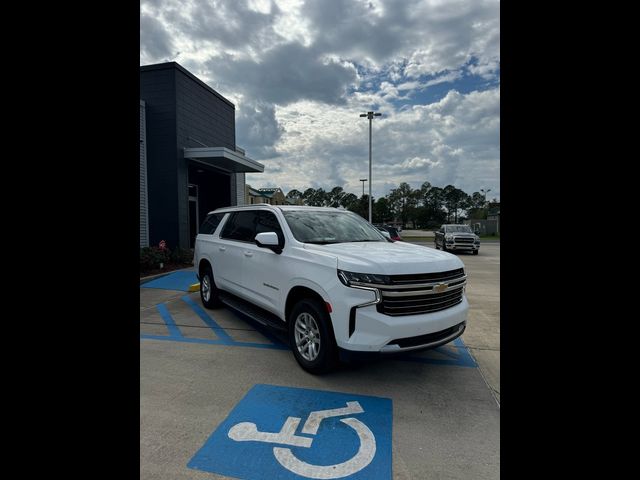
(414, 294)
(464, 240)
(418, 304)
(425, 339)
(427, 277)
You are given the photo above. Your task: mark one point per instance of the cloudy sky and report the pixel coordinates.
(300, 72)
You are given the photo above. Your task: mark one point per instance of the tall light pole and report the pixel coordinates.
(370, 116)
(484, 192)
(363, 180)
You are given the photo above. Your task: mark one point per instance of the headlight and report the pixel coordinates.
(477, 239)
(349, 278)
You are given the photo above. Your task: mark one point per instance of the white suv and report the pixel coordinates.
(331, 280)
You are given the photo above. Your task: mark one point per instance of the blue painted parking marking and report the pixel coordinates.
(294, 433)
(456, 351)
(206, 318)
(452, 354)
(174, 331)
(179, 280)
(223, 337)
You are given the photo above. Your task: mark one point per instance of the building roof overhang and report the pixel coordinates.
(223, 159)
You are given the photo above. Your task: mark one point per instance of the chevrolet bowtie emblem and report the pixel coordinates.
(441, 287)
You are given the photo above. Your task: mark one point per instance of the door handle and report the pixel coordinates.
(222, 249)
(248, 254)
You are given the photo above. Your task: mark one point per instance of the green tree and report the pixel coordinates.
(295, 194)
(477, 206)
(315, 198)
(455, 199)
(348, 199)
(333, 197)
(382, 211)
(402, 199)
(361, 206)
(308, 193)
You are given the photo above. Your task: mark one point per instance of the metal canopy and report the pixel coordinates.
(224, 159)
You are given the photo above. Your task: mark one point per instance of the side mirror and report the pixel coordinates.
(268, 240)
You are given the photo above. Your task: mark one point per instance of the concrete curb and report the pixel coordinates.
(153, 277)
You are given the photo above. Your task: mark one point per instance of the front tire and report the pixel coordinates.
(209, 293)
(475, 252)
(311, 337)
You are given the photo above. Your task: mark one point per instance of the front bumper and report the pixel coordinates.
(372, 331)
(462, 246)
(437, 339)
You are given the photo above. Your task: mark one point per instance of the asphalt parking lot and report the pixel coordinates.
(221, 398)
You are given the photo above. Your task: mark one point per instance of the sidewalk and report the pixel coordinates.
(417, 233)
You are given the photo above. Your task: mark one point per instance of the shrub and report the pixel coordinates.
(182, 255)
(152, 257)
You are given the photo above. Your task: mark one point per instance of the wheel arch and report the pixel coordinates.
(298, 293)
(203, 265)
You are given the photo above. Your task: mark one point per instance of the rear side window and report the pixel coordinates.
(211, 223)
(241, 226)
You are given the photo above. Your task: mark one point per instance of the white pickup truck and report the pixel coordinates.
(331, 280)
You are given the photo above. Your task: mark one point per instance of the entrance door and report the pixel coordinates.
(194, 217)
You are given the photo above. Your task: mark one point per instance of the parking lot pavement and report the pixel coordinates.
(199, 371)
(482, 336)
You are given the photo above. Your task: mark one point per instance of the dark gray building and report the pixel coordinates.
(189, 161)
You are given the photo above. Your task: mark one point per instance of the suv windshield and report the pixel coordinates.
(458, 228)
(330, 227)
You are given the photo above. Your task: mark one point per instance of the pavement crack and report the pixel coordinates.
(490, 349)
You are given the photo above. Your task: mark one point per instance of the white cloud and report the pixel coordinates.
(300, 72)
(409, 85)
(453, 141)
(448, 77)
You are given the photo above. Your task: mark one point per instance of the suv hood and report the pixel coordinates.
(388, 258)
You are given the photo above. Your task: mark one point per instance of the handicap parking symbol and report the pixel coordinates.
(283, 432)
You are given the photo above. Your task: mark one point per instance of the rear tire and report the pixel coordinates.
(311, 337)
(209, 293)
(444, 247)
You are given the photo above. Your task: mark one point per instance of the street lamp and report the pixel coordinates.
(363, 180)
(484, 192)
(370, 116)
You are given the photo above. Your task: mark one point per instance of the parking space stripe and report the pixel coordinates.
(464, 353)
(206, 318)
(214, 342)
(462, 359)
(258, 327)
(174, 331)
